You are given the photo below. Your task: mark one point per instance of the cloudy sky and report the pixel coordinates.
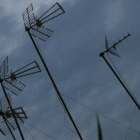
(72, 55)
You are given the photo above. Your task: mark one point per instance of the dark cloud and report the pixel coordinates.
(72, 55)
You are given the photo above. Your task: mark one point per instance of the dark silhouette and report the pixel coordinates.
(9, 82)
(34, 28)
(7, 123)
(115, 73)
(100, 135)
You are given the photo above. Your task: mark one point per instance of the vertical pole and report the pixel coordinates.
(12, 111)
(133, 99)
(55, 87)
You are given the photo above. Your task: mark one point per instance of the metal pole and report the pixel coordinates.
(57, 91)
(102, 55)
(12, 111)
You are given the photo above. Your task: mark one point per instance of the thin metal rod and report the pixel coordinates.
(57, 91)
(24, 67)
(2, 132)
(50, 14)
(46, 12)
(133, 99)
(26, 70)
(12, 111)
(52, 18)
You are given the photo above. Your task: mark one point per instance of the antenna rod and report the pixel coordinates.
(133, 99)
(12, 110)
(114, 45)
(58, 93)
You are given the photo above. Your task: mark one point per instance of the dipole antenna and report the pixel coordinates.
(34, 27)
(9, 82)
(112, 50)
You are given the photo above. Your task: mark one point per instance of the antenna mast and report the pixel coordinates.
(35, 28)
(112, 51)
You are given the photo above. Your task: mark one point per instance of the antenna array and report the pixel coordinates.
(11, 119)
(7, 123)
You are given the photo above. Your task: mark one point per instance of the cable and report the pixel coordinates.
(57, 94)
(100, 114)
(61, 103)
(119, 74)
(29, 132)
(66, 123)
(130, 124)
(40, 131)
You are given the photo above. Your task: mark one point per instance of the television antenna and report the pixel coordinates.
(112, 50)
(9, 82)
(7, 122)
(34, 27)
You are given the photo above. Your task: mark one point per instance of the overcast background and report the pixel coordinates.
(72, 55)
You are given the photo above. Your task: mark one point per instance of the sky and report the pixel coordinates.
(72, 56)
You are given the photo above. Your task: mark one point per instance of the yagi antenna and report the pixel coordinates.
(10, 81)
(34, 25)
(7, 123)
(13, 118)
(112, 49)
(30, 24)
